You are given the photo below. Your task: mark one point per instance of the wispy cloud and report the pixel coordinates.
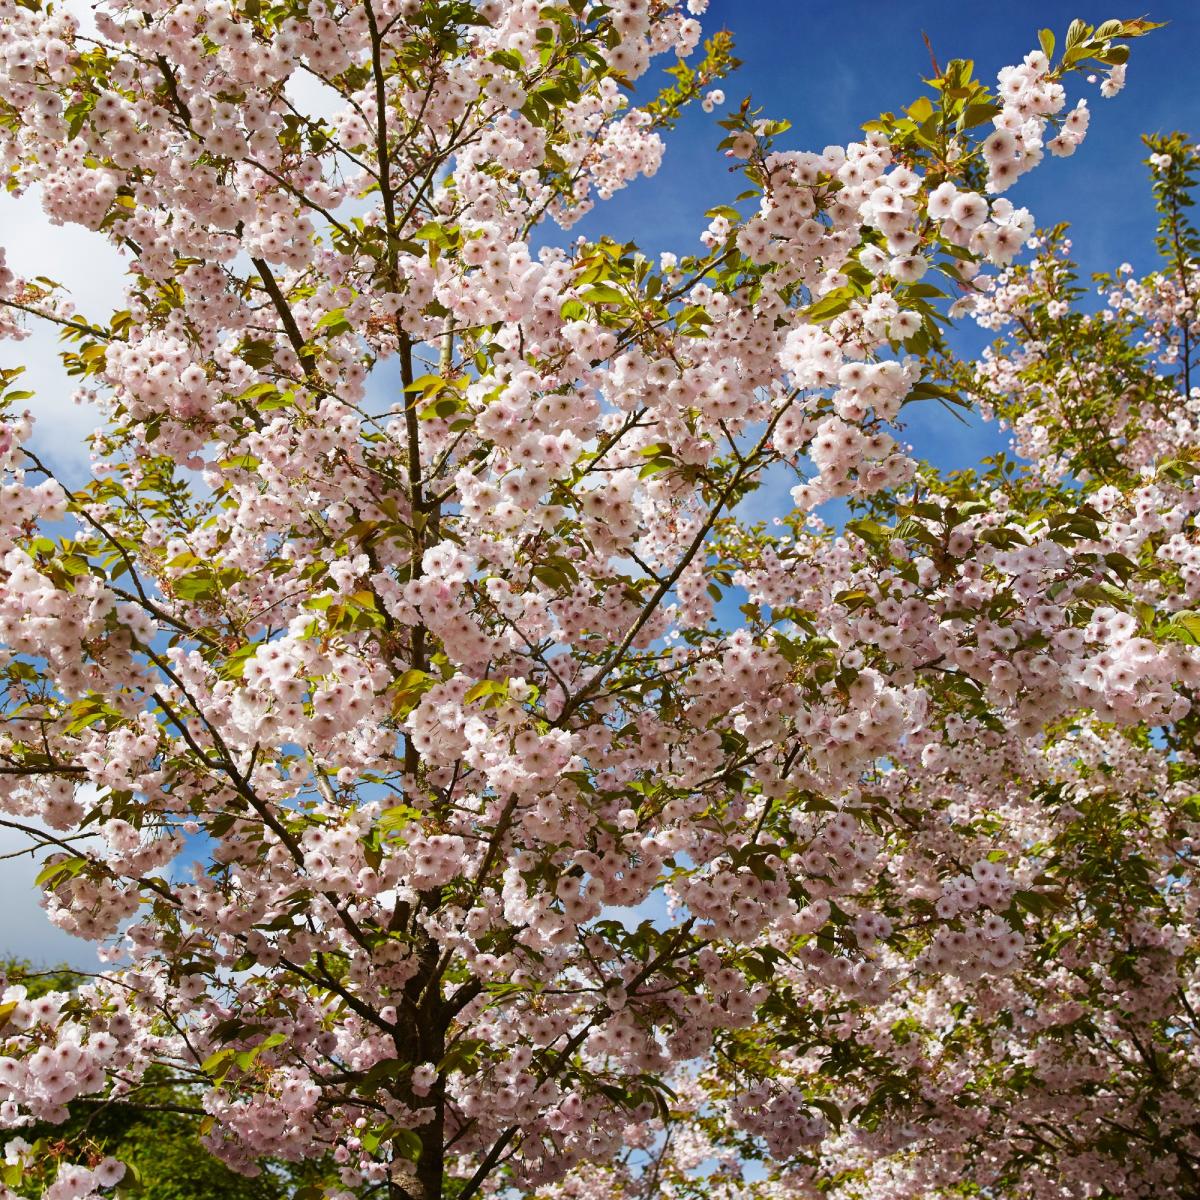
(91, 272)
(26, 931)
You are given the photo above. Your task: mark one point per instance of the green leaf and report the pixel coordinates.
(240, 462)
(54, 873)
(1189, 624)
(694, 314)
(214, 1061)
(258, 352)
(460, 1055)
(934, 391)
(831, 1111)
(335, 319)
(442, 408)
(412, 679)
(424, 383)
(655, 466)
(559, 574)
(407, 1144)
(855, 598)
(194, 587)
(831, 305)
(486, 687)
(431, 231)
(508, 58)
(396, 819)
(921, 109)
(602, 293)
(978, 112)
(1046, 38)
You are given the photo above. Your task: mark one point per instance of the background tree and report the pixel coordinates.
(158, 1143)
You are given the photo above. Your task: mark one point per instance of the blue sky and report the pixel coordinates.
(828, 76)
(828, 69)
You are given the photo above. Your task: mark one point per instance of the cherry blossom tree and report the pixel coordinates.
(383, 703)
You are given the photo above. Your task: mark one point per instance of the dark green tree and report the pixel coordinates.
(156, 1136)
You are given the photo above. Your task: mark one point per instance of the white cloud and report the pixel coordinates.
(91, 272)
(25, 930)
